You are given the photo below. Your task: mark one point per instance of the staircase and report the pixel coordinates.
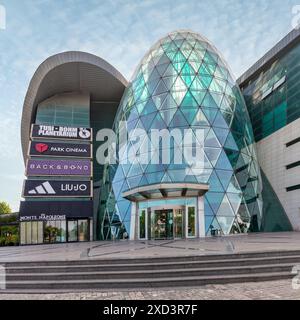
(164, 272)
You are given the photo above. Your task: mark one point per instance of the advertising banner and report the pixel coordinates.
(57, 188)
(58, 168)
(60, 132)
(60, 149)
(55, 210)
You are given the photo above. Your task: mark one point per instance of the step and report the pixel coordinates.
(177, 273)
(206, 257)
(146, 282)
(152, 266)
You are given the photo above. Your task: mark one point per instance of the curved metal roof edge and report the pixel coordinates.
(41, 72)
(288, 41)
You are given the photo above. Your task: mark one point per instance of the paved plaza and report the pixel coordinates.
(144, 249)
(274, 290)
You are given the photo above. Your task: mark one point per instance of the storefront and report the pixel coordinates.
(70, 230)
(56, 222)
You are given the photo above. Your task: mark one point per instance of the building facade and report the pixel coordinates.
(182, 95)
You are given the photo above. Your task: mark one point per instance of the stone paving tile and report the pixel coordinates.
(273, 290)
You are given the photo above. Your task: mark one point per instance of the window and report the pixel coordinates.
(293, 165)
(293, 142)
(293, 188)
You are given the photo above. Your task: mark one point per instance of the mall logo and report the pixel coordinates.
(44, 188)
(57, 188)
(2, 17)
(41, 147)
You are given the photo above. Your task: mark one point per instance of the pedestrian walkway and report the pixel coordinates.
(144, 249)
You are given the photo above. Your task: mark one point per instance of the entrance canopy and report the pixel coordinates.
(165, 190)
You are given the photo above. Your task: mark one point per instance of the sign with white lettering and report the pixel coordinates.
(57, 188)
(60, 149)
(43, 167)
(60, 132)
(55, 210)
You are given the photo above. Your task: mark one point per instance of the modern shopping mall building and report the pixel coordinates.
(247, 181)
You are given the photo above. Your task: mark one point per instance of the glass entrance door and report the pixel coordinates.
(178, 224)
(163, 224)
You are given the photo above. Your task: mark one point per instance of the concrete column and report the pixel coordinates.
(133, 220)
(201, 219)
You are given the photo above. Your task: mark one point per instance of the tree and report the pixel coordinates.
(4, 207)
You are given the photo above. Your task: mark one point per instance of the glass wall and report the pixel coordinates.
(38, 232)
(273, 96)
(183, 83)
(66, 110)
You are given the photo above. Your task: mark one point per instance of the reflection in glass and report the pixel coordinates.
(72, 231)
(143, 224)
(83, 234)
(178, 223)
(191, 223)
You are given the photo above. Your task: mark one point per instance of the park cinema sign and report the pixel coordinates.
(60, 132)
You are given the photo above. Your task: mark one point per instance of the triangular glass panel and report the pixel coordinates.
(217, 97)
(213, 154)
(154, 76)
(224, 177)
(214, 227)
(148, 108)
(168, 115)
(188, 102)
(170, 72)
(225, 209)
(187, 79)
(154, 177)
(158, 100)
(214, 199)
(169, 81)
(200, 119)
(197, 85)
(203, 70)
(230, 143)
(178, 120)
(199, 95)
(168, 103)
(134, 181)
(147, 120)
(209, 224)
(166, 178)
(223, 162)
(207, 209)
(161, 88)
(206, 81)
(211, 140)
(210, 114)
(235, 201)
(209, 102)
(179, 85)
(164, 60)
(220, 122)
(222, 134)
(189, 113)
(225, 223)
(214, 184)
(233, 186)
(158, 122)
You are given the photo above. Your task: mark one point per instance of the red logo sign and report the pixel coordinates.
(41, 147)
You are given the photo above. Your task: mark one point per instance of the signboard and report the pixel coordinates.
(57, 188)
(60, 132)
(60, 149)
(55, 210)
(58, 167)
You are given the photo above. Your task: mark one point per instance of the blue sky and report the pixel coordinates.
(119, 32)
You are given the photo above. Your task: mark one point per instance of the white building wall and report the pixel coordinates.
(274, 156)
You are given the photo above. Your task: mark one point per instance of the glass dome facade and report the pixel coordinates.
(184, 83)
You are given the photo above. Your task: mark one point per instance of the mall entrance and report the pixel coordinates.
(167, 223)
